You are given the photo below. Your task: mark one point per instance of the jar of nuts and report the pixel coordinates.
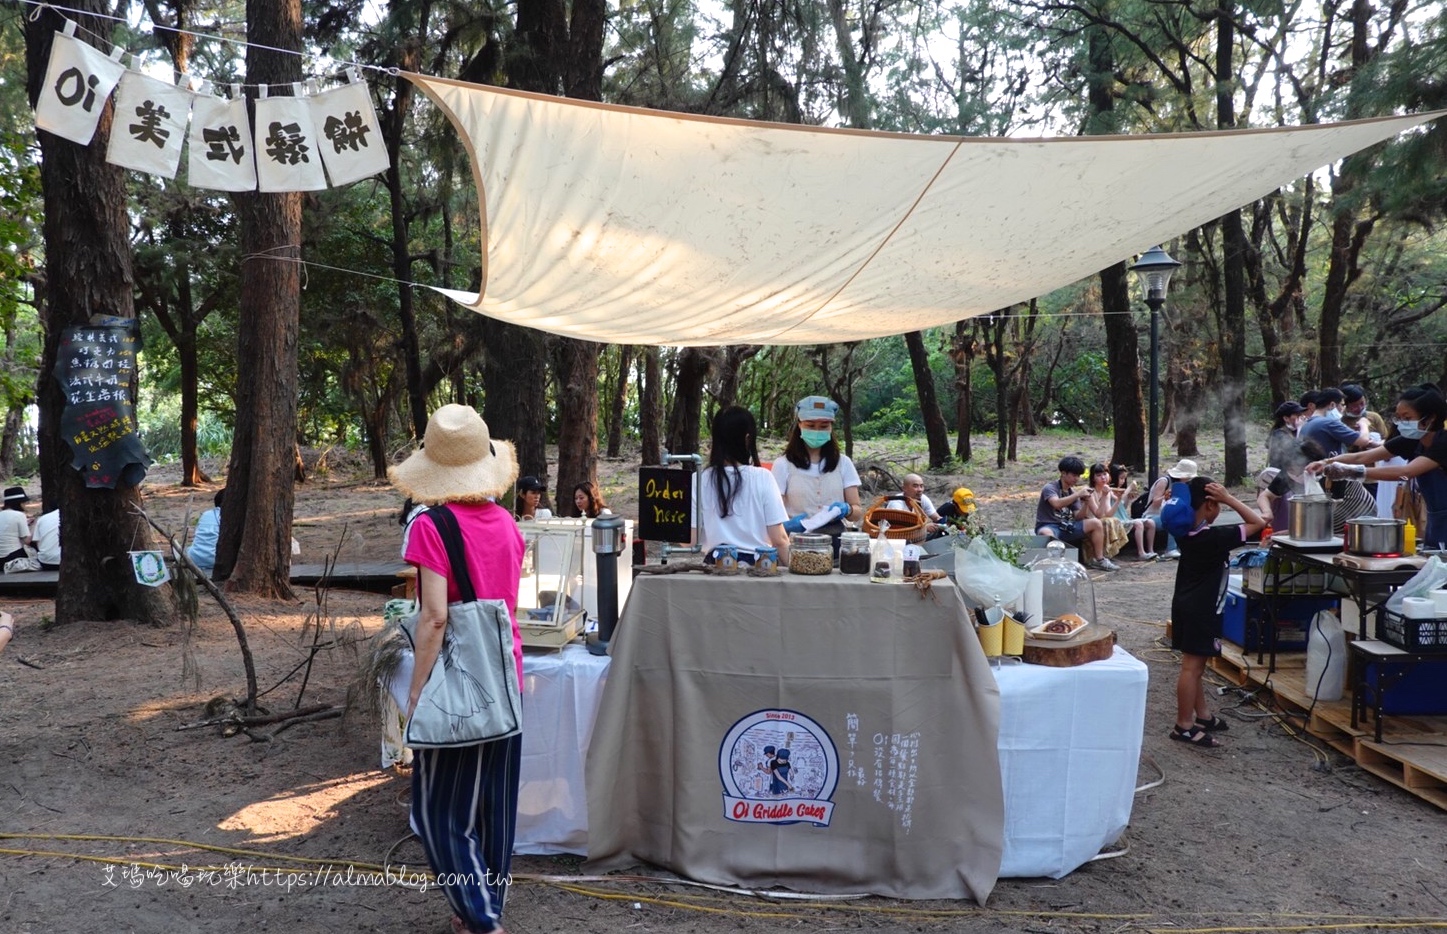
(810, 554)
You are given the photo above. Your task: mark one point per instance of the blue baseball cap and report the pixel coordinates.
(811, 407)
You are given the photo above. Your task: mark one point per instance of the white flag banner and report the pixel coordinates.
(287, 157)
(78, 79)
(149, 126)
(221, 150)
(351, 139)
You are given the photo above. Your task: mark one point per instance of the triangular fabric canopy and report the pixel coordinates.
(623, 225)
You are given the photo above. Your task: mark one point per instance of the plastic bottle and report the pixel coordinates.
(1409, 538)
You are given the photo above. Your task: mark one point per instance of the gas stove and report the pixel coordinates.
(1380, 562)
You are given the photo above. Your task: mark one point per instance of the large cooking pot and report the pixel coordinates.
(1372, 536)
(1310, 518)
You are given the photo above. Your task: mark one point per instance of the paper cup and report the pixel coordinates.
(992, 639)
(1014, 636)
(1439, 601)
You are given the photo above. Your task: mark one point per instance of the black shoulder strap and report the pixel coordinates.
(451, 534)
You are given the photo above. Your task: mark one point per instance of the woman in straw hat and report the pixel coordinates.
(464, 798)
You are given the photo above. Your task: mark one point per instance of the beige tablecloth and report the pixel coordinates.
(884, 703)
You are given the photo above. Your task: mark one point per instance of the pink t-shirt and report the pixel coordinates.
(494, 549)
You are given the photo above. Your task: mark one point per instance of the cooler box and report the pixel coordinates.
(1421, 692)
(1244, 620)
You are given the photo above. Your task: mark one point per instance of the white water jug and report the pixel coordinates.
(1326, 657)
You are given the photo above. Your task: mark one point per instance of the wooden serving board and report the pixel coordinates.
(1090, 644)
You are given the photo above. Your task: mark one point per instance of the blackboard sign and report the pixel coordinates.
(665, 504)
(96, 368)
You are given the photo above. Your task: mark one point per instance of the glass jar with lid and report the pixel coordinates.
(854, 553)
(810, 553)
(1066, 591)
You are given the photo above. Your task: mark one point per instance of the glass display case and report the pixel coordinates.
(550, 592)
(559, 561)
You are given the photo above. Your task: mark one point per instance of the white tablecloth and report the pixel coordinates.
(1070, 741)
(561, 692)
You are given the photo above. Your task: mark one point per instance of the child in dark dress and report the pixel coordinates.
(1198, 602)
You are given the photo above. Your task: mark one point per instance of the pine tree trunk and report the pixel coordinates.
(577, 363)
(1123, 364)
(516, 376)
(686, 416)
(1233, 271)
(88, 271)
(650, 408)
(619, 401)
(254, 550)
(935, 430)
(962, 352)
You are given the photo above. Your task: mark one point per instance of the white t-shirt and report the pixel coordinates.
(756, 506)
(14, 530)
(809, 490)
(47, 537)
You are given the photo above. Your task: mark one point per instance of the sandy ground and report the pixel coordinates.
(1269, 833)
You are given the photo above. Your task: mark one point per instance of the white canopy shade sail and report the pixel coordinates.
(623, 225)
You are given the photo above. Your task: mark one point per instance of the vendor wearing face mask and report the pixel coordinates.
(813, 473)
(1422, 442)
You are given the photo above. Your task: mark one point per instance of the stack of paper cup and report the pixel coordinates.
(1439, 602)
(1418, 608)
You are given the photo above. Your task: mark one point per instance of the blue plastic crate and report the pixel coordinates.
(1422, 691)
(1244, 619)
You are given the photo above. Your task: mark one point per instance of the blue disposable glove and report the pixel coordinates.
(841, 507)
(796, 523)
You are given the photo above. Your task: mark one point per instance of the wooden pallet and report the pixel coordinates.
(1412, 754)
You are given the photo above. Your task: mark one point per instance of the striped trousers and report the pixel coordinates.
(464, 809)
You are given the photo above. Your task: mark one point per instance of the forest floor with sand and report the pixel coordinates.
(1271, 832)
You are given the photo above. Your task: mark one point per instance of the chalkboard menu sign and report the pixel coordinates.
(665, 504)
(96, 368)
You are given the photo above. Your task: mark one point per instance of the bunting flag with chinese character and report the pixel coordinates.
(286, 156)
(351, 139)
(77, 82)
(221, 150)
(149, 126)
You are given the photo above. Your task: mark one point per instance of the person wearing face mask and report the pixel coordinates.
(813, 473)
(1282, 440)
(1422, 442)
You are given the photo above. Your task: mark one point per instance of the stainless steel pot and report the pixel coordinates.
(1371, 536)
(1310, 518)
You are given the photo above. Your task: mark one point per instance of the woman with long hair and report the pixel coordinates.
(739, 503)
(464, 798)
(814, 474)
(1127, 491)
(587, 500)
(1421, 423)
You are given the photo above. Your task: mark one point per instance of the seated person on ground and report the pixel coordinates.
(47, 540)
(1061, 514)
(14, 527)
(202, 550)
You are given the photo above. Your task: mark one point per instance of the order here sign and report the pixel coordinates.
(665, 504)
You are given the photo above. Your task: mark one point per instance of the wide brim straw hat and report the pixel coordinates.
(459, 461)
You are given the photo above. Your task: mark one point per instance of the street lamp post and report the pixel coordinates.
(1154, 269)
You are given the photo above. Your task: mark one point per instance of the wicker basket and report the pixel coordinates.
(909, 524)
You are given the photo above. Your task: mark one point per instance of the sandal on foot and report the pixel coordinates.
(1195, 736)
(1213, 725)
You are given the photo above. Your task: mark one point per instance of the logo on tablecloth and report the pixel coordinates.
(778, 767)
